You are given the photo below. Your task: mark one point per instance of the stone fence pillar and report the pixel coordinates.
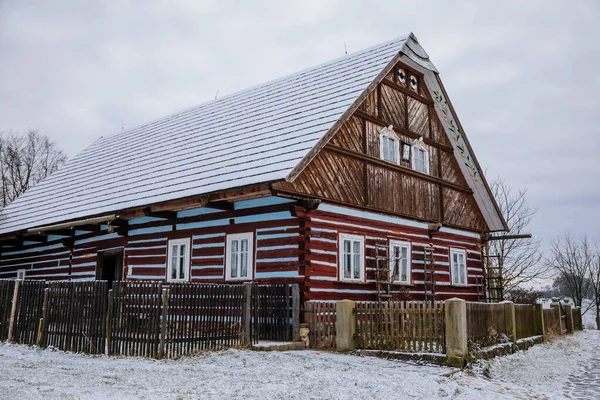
(345, 325)
(456, 332)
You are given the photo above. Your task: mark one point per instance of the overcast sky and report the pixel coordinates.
(523, 76)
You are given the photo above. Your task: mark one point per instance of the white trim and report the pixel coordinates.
(456, 279)
(400, 243)
(249, 236)
(186, 260)
(416, 146)
(389, 133)
(21, 274)
(361, 267)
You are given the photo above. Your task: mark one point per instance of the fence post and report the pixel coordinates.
(577, 322)
(538, 315)
(295, 313)
(555, 306)
(345, 325)
(163, 322)
(247, 314)
(109, 312)
(456, 332)
(13, 311)
(41, 338)
(569, 318)
(511, 322)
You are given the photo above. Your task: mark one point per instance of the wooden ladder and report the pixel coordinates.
(429, 272)
(383, 278)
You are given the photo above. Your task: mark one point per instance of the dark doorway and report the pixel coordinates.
(109, 266)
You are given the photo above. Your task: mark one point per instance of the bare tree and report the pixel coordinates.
(520, 260)
(572, 260)
(595, 282)
(26, 159)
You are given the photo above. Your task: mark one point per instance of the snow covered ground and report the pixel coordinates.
(541, 372)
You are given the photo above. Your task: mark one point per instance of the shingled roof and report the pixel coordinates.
(257, 135)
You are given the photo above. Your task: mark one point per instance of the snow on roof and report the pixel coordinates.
(253, 136)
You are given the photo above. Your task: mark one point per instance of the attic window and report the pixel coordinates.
(389, 145)
(413, 82)
(420, 156)
(401, 74)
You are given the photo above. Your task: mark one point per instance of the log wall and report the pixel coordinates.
(324, 226)
(272, 220)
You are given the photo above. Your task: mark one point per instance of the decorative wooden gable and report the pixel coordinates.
(351, 168)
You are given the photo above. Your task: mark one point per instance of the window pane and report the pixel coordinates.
(347, 259)
(356, 249)
(404, 276)
(244, 244)
(356, 266)
(234, 246)
(347, 246)
(244, 263)
(174, 266)
(181, 267)
(182, 250)
(234, 265)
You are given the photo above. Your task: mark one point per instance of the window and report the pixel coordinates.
(405, 151)
(389, 145)
(179, 260)
(352, 258)
(240, 256)
(389, 149)
(21, 274)
(458, 264)
(400, 261)
(420, 159)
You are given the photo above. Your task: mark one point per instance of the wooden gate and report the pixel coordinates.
(134, 327)
(75, 316)
(273, 311)
(28, 312)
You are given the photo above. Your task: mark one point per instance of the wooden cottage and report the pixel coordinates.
(353, 179)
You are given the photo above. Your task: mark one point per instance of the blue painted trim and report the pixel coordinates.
(207, 245)
(197, 211)
(201, 224)
(280, 274)
(263, 217)
(276, 236)
(98, 238)
(146, 231)
(263, 201)
(273, 260)
(208, 236)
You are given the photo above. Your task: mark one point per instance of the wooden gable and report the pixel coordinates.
(349, 170)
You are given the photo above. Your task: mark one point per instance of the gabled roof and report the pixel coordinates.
(261, 134)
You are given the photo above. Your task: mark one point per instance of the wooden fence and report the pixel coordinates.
(143, 319)
(30, 300)
(525, 320)
(74, 316)
(577, 319)
(404, 326)
(485, 322)
(320, 317)
(7, 289)
(203, 317)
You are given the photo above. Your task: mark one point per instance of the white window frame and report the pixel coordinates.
(396, 147)
(21, 273)
(228, 247)
(186, 264)
(361, 267)
(456, 276)
(414, 150)
(407, 245)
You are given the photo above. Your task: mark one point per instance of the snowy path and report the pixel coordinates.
(542, 372)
